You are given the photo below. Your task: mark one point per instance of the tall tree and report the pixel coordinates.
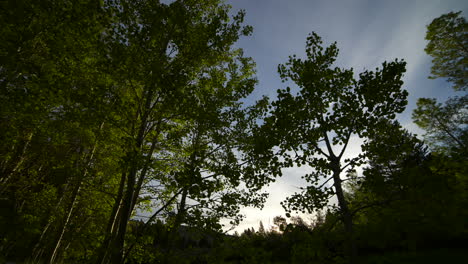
(448, 46)
(209, 165)
(261, 228)
(54, 96)
(446, 124)
(159, 52)
(315, 126)
(91, 91)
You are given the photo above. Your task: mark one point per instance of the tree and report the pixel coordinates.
(208, 163)
(54, 96)
(280, 222)
(298, 221)
(446, 124)
(408, 196)
(261, 229)
(213, 164)
(448, 46)
(330, 108)
(93, 94)
(160, 53)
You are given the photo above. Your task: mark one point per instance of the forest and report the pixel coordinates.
(126, 137)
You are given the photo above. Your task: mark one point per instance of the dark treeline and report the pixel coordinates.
(125, 139)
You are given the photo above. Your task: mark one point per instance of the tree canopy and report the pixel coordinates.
(448, 46)
(315, 127)
(445, 123)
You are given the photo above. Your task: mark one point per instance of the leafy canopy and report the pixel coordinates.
(448, 46)
(329, 108)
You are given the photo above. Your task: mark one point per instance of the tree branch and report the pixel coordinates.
(323, 184)
(379, 203)
(327, 142)
(151, 219)
(321, 151)
(446, 130)
(346, 144)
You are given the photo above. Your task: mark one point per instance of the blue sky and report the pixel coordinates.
(367, 32)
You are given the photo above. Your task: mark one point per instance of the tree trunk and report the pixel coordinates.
(148, 223)
(9, 167)
(176, 227)
(38, 248)
(351, 249)
(181, 213)
(65, 223)
(118, 243)
(130, 191)
(112, 224)
(74, 199)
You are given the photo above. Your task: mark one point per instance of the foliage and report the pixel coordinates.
(101, 99)
(445, 125)
(448, 46)
(409, 199)
(330, 102)
(330, 108)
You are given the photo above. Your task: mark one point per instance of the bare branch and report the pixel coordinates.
(323, 184)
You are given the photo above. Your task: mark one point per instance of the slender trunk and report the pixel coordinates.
(191, 173)
(74, 199)
(351, 249)
(131, 190)
(78, 230)
(150, 220)
(112, 224)
(444, 127)
(66, 223)
(142, 175)
(181, 213)
(16, 162)
(38, 249)
(118, 243)
(177, 223)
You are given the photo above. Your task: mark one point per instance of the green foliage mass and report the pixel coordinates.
(330, 109)
(114, 108)
(448, 46)
(446, 123)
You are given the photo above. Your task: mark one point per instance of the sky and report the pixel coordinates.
(367, 32)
